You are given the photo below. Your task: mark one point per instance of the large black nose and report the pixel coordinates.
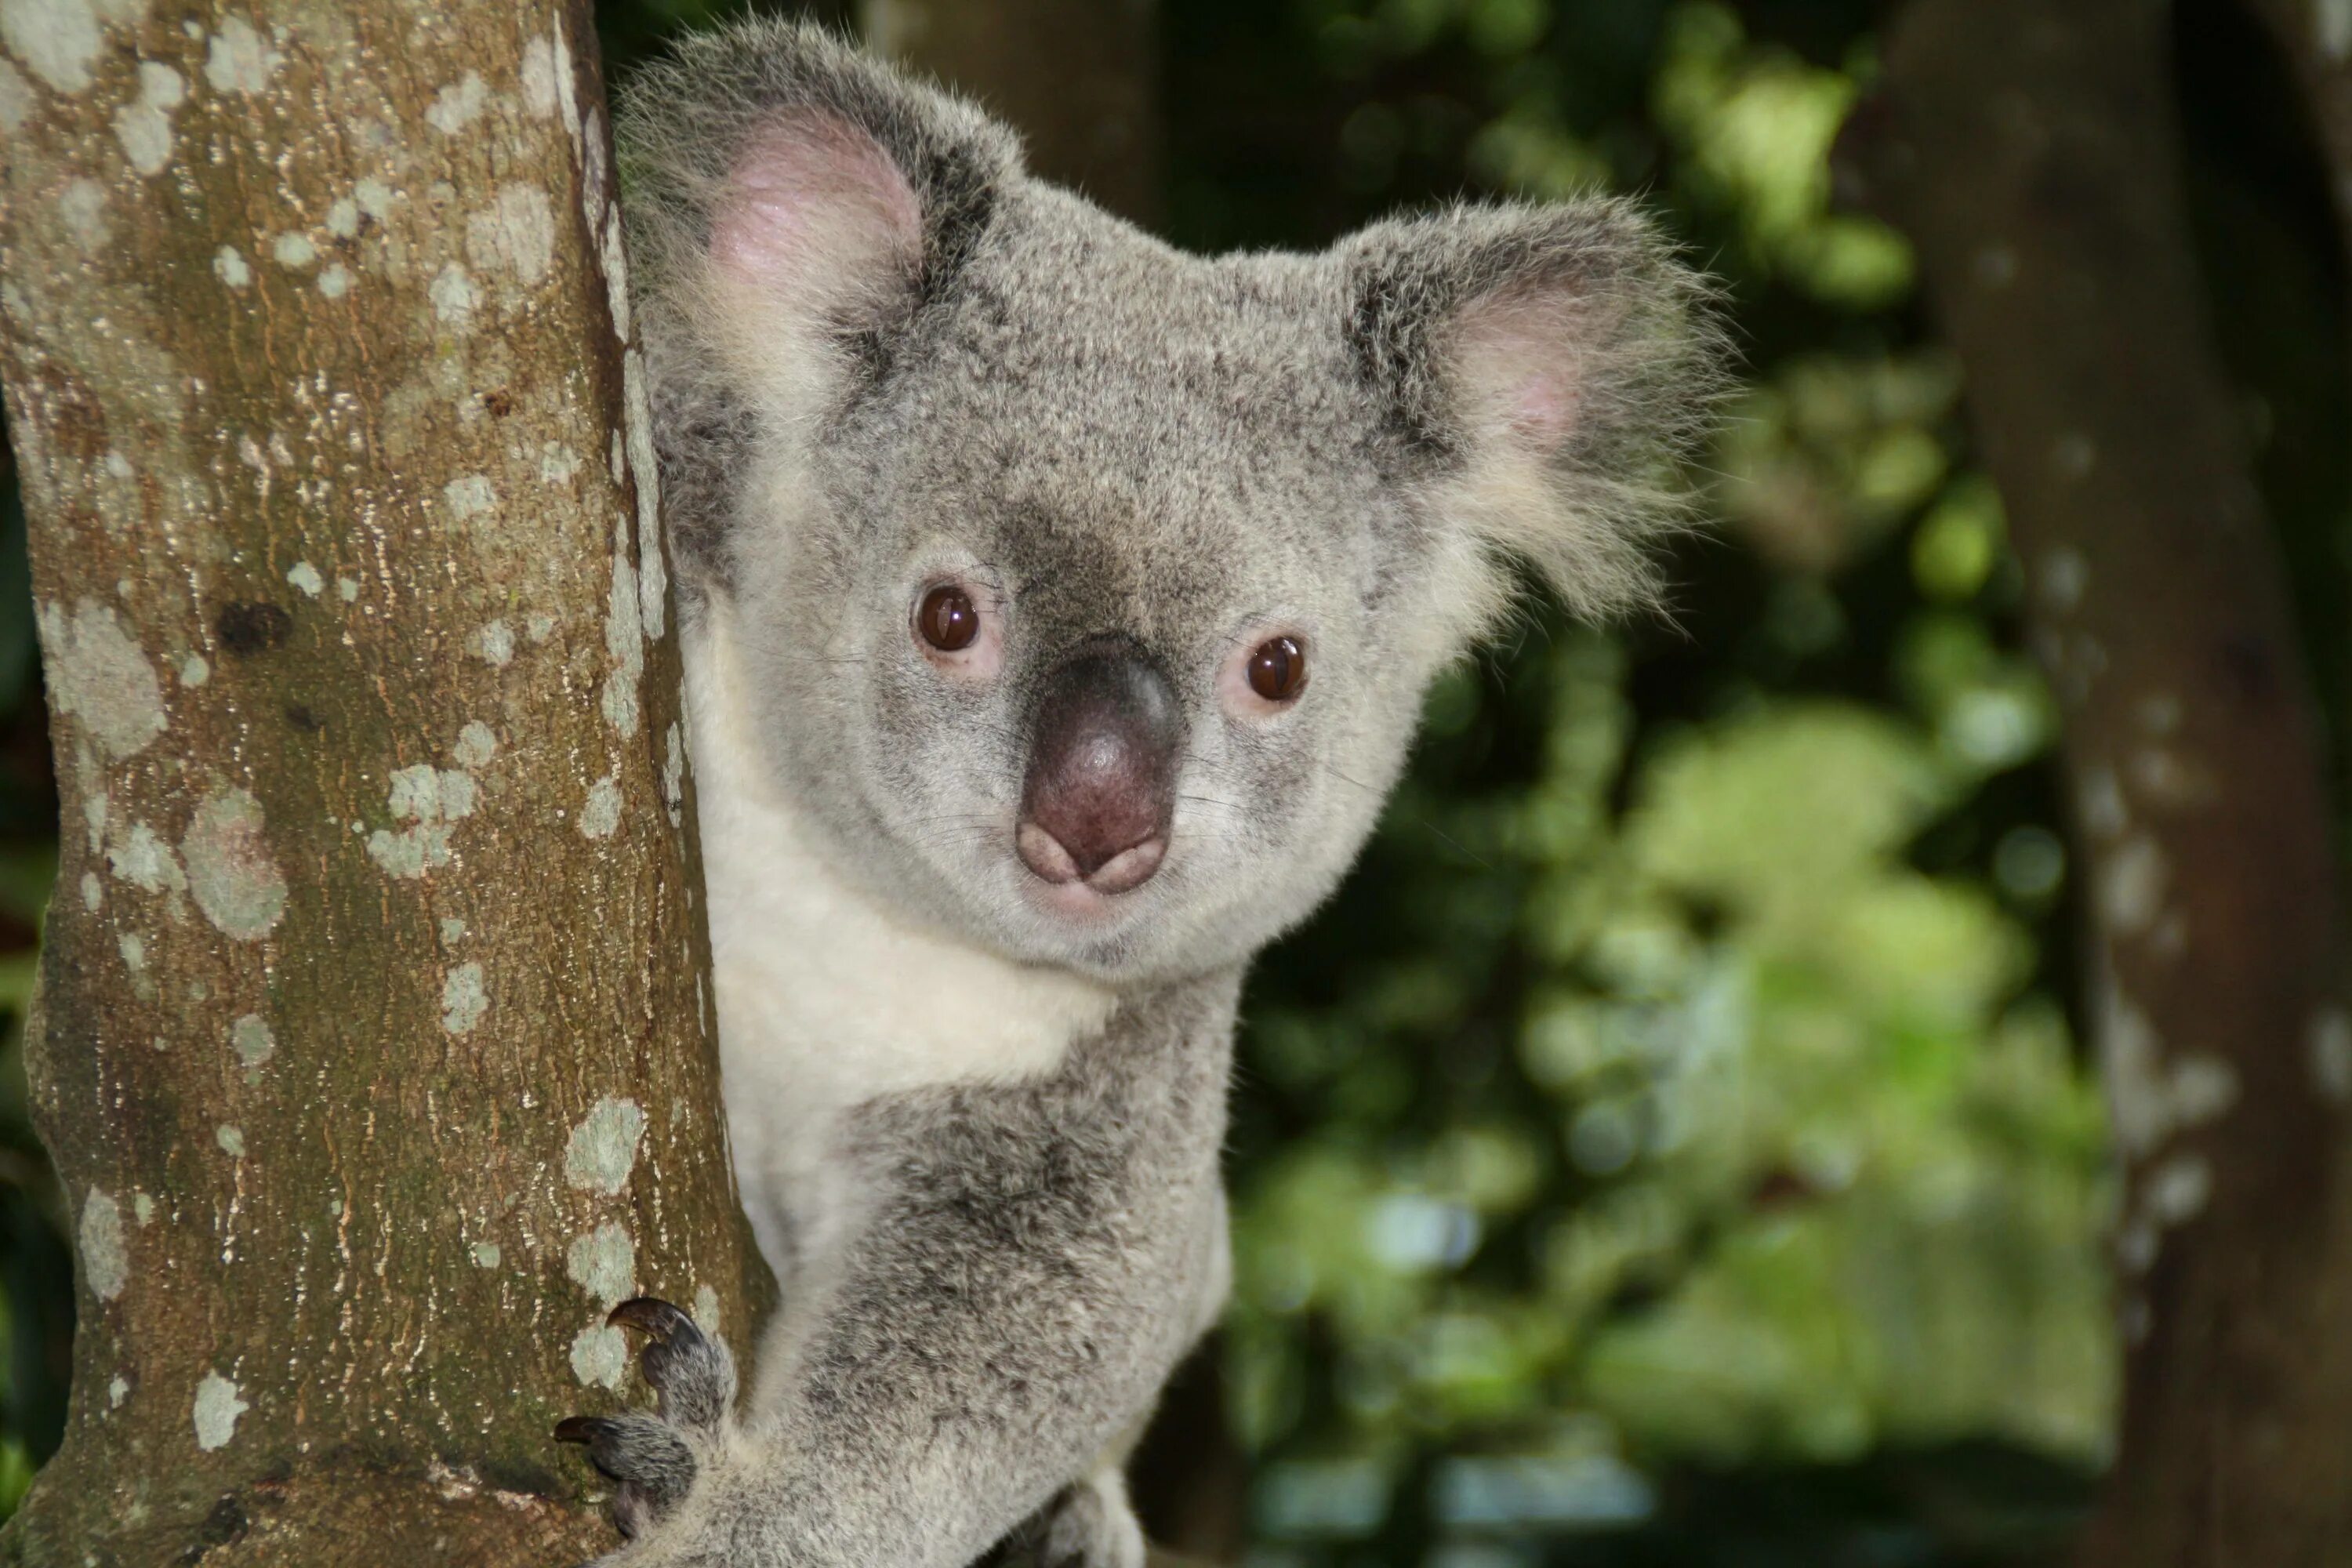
(1104, 745)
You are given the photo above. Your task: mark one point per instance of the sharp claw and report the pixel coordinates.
(583, 1429)
(652, 1317)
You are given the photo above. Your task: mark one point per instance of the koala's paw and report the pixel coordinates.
(650, 1457)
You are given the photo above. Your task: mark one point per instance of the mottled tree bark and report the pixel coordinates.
(2030, 149)
(375, 1053)
(1079, 77)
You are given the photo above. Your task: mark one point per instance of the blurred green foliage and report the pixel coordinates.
(1672, 1145)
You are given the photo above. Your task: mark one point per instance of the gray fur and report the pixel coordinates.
(1102, 435)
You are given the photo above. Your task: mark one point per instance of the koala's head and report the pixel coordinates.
(1083, 592)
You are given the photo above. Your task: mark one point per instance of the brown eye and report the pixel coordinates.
(1278, 670)
(948, 619)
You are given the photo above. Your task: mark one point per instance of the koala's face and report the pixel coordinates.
(1084, 593)
(1094, 631)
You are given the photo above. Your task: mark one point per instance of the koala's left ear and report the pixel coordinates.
(1543, 371)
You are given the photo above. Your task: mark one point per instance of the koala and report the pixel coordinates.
(1056, 610)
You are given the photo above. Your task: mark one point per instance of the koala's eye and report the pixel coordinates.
(1278, 670)
(947, 618)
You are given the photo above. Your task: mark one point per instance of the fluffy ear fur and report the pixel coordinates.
(791, 203)
(1545, 370)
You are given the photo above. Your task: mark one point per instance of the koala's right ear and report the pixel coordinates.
(791, 203)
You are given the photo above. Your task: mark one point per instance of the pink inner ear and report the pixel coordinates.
(814, 206)
(1519, 361)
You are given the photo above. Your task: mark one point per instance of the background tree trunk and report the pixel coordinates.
(375, 1057)
(1079, 77)
(2314, 36)
(2032, 152)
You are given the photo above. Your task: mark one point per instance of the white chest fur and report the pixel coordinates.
(825, 998)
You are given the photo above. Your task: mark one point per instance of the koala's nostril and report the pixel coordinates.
(1103, 753)
(1130, 868)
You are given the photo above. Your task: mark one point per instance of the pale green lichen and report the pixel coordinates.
(469, 496)
(231, 1139)
(57, 40)
(145, 860)
(476, 745)
(624, 641)
(600, 815)
(453, 297)
(98, 674)
(539, 78)
(637, 414)
(617, 275)
(430, 800)
(464, 999)
(230, 268)
(494, 644)
(144, 126)
(517, 234)
(305, 577)
(215, 1411)
(239, 59)
(485, 1255)
(16, 101)
(253, 1041)
(457, 106)
(105, 1263)
(600, 1356)
(604, 1264)
(705, 1308)
(82, 206)
(235, 882)
(603, 1149)
(673, 776)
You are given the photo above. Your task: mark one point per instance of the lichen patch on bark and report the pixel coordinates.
(214, 1411)
(231, 873)
(603, 1149)
(98, 674)
(106, 1266)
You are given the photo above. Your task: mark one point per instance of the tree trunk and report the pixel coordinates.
(373, 1051)
(2315, 39)
(1077, 77)
(2030, 149)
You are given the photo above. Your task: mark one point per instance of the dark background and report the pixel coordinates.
(1674, 1145)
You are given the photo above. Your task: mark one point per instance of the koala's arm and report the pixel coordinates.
(1030, 1268)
